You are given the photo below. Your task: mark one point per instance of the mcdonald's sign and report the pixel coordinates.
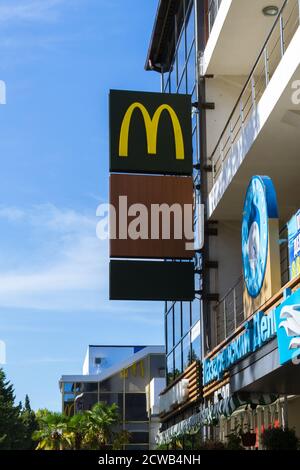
(150, 133)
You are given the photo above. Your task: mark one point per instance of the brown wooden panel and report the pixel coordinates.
(192, 373)
(149, 190)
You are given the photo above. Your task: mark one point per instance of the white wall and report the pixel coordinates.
(110, 356)
(223, 90)
(226, 249)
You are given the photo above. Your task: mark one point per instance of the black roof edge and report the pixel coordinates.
(160, 33)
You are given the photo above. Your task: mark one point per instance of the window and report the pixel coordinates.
(186, 317)
(135, 407)
(181, 54)
(191, 69)
(190, 29)
(178, 361)
(186, 351)
(195, 312)
(85, 401)
(90, 387)
(110, 398)
(170, 368)
(196, 347)
(69, 387)
(170, 332)
(139, 438)
(177, 322)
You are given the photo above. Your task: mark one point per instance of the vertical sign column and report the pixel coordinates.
(151, 197)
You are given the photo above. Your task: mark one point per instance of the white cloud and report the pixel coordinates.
(72, 267)
(29, 10)
(11, 213)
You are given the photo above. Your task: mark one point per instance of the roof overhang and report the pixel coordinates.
(161, 48)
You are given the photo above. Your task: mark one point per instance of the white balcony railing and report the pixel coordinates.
(279, 38)
(229, 312)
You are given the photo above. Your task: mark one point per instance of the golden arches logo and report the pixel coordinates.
(151, 126)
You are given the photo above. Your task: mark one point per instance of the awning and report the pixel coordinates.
(212, 414)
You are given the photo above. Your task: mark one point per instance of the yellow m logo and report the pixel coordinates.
(151, 126)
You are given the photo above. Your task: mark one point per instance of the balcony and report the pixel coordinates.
(263, 125)
(232, 47)
(228, 314)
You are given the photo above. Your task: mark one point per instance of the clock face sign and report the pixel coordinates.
(255, 235)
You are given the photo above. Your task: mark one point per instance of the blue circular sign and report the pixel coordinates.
(260, 205)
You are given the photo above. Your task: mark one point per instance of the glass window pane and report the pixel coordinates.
(136, 376)
(177, 322)
(85, 401)
(167, 85)
(195, 145)
(191, 71)
(68, 404)
(114, 384)
(186, 351)
(139, 438)
(110, 398)
(137, 427)
(183, 85)
(195, 312)
(69, 387)
(190, 29)
(196, 349)
(135, 407)
(170, 332)
(181, 55)
(84, 387)
(170, 368)
(186, 317)
(173, 81)
(178, 361)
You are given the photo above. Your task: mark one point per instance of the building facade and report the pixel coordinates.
(240, 62)
(130, 376)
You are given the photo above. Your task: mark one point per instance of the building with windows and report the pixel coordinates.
(130, 376)
(240, 337)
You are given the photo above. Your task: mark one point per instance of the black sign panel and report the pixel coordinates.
(150, 133)
(151, 280)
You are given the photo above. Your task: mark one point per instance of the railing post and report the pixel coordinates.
(231, 135)
(222, 154)
(225, 320)
(267, 72)
(213, 169)
(242, 112)
(234, 309)
(282, 45)
(253, 91)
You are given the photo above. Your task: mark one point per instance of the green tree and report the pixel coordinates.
(78, 427)
(53, 432)
(101, 420)
(30, 425)
(93, 429)
(10, 424)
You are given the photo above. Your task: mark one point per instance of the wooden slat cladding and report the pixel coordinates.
(194, 374)
(152, 192)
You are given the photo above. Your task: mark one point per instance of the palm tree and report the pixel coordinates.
(101, 420)
(53, 431)
(94, 429)
(77, 429)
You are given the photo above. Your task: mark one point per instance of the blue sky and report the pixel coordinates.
(59, 58)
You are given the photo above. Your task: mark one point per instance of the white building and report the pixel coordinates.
(240, 61)
(130, 376)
